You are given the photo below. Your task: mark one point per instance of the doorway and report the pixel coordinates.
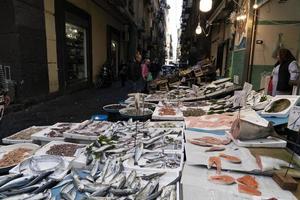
(113, 50)
(74, 47)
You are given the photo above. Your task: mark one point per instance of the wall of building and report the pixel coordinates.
(51, 45)
(23, 46)
(275, 18)
(100, 19)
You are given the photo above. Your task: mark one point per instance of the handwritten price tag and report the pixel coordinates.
(239, 98)
(294, 119)
(247, 88)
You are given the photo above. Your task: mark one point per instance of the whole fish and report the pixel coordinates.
(76, 180)
(158, 164)
(138, 152)
(167, 191)
(46, 185)
(64, 182)
(244, 130)
(6, 178)
(136, 184)
(65, 191)
(114, 171)
(22, 190)
(152, 140)
(123, 192)
(40, 177)
(95, 168)
(130, 178)
(18, 197)
(119, 181)
(151, 186)
(101, 191)
(151, 176)
(102, 148)
(100, 179)
(17, 182)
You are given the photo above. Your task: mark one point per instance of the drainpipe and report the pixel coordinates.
(251, 60)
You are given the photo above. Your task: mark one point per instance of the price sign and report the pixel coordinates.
(294, 119)
(247, 88)
(239, 98)
(183, 80)
(195, 88)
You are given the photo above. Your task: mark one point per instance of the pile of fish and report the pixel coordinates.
(22, 186)
(106, 177)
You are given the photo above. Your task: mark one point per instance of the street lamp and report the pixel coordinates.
(205, 5)
(198, 29)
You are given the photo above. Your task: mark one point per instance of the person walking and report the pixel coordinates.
(285, 73)
(145, 74)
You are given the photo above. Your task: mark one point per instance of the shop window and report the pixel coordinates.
(76, 57)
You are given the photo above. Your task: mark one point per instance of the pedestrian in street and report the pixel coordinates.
(146, 74)
(123, 74)
(285, 73)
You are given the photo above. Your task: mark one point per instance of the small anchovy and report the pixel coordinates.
(151, 176)
(123, 192)
(151, 186)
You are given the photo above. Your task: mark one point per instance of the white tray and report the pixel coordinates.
(177, 117)
(270, 142)
(10, 140)
(293, 99)
(129, 164)
(44, 149)
(41, 135)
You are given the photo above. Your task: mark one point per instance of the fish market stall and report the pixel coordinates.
(23, 136)
(203, 149)
(52, 133)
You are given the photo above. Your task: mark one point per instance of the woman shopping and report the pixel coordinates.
(285, 73)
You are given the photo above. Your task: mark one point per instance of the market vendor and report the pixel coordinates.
(285, 73)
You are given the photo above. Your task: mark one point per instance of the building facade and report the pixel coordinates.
(53, 46)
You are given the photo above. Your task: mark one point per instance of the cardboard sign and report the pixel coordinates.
(239, 98)
(247, 88)
(294, 119)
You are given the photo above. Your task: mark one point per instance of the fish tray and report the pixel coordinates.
(163, 181)
(43, 150)
(6, 149)
(269, 142)
(129, 164)
(109, 108)
(285, 113)
(42, 137)
(84, 138)
(177, 117)
(165, 125)
(11, 140)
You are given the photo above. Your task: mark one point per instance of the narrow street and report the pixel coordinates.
(73, 107)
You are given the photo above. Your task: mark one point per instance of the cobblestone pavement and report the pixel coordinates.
(73, 107)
